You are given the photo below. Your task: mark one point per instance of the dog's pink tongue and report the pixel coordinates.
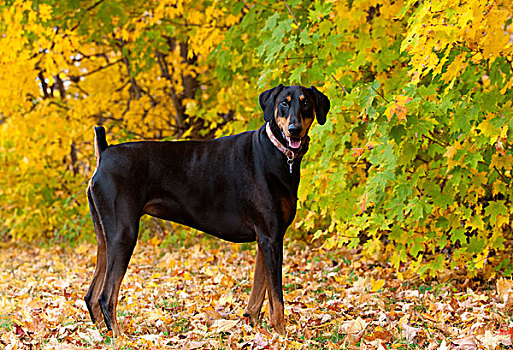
(294, 144)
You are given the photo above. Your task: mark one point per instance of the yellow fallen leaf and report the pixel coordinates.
(226, 299)
(428, 317)
(404, 320)
(154, 241)
(377, 285)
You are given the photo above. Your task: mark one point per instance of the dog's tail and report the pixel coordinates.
(100, 141)
(100, 145)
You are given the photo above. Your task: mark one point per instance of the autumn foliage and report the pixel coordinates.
(415, 160)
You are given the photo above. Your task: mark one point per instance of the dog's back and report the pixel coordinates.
(201, 184)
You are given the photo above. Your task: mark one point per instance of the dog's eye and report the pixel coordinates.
(284, 104)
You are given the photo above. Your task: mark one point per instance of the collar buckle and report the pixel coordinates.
(290, 162)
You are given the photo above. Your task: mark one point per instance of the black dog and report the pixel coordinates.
(239, 188)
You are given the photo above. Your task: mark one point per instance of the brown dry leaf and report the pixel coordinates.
(505, 291)
(221, 326)
(354, 329)
(260, 341)
(409, 333)
(353, 326)
(467, 343)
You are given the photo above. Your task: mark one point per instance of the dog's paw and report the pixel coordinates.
(279, 328)
(277, 322)
(253, 318)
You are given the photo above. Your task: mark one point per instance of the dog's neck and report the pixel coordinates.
(290, 154)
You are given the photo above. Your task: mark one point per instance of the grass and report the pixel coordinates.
(182, 325)
(6, 322)
(333, 337)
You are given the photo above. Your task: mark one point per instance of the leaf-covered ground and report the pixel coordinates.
(194, 297)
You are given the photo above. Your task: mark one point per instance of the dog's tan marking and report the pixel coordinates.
(283, 124)
(307, 123)
(289, 98)
(287, 208)
(276, 312)
(302, 97)
(257, 295)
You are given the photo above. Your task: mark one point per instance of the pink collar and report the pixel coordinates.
(286, 151)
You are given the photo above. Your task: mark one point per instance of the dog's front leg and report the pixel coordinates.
(272, 250)
(257, 296)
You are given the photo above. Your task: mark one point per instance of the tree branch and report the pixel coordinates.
(338, 83)
(292, 14)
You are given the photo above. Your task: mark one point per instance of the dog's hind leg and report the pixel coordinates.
(257, 296)
(92, 295)
(121, 230)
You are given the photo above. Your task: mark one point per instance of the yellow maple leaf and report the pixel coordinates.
(451, 150)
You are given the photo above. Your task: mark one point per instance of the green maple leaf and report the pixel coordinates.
(476, 244)
(458, 235)
(496, 208)
(438, 264)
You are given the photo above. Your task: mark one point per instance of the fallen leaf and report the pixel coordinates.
(188, 309)
(222, 326)
(376, 285)
(325, 318)
(353, 326)
(443, 345)
(196, 344)
(260, 341)
(409, 332)
(505, 292)
(492, 340)
(467, 343)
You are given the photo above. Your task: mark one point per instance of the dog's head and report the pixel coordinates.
(292, 109)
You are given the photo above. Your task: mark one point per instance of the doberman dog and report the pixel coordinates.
(240, 188)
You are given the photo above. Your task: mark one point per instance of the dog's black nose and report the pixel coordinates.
(295, 129)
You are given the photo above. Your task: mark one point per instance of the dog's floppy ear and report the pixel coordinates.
(322, 105)
(267, 99)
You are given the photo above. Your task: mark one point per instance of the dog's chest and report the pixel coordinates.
(288, 209)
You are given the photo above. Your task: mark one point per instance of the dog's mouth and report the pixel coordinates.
(293, 142)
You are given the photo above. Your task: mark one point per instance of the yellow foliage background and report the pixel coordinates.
(414, 162)
(68, 67)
